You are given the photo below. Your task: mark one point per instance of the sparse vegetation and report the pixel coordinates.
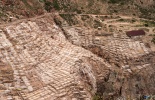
(102, 18)
(69, 18)
(153, 39)
(97, 24)
(56, 4)
(49, 5)
(117, 1)
(127, 20)
(133, 20)
(148, 23)
(84, 17)
(121, 20)
(97, 97)
(91, 2)
(27, 4)
(147, 12)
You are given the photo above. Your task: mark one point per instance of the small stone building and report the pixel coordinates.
(135, 33)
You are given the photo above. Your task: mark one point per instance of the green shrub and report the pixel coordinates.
(41, 0)
(97, 24)
(121, 20)
(122, 2)
(153, 40)
(90, 3)
(85, 17)
(97, 97)
(114, 1)
(49, 5)
(56, 4)
(133, 20)
(148, 23)
(69, 18)
(26, 4)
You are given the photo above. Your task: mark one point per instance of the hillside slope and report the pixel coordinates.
(57, 62)
(28, 8)
(76, 49)
(140, 8)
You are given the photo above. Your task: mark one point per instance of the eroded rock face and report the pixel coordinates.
(6, 73)
(51, 62)
(45, 64)
(128, 58)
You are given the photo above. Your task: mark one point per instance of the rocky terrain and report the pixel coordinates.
(27, 8)
(76, 50)
(106, 37)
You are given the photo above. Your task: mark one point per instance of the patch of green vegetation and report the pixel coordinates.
(67, 7)
(1, 14)
(41, 0)
(121, 20)
(97, 24)
(103, 1)
(78, 11)
(97, 11)
(26, 4)
(84, 17)
(117, 1)
(91, 2)
(97, 97)
(102, 18)
(70, 18)
(127, 20)
(148, 23)
(133, 20)
(151, 34)
(146, 12)
(49, 5)
(32, 6)
(153, 40)
(142, 10)
(115, 11)
(56, 4)
(139, 25)
(93, 11)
